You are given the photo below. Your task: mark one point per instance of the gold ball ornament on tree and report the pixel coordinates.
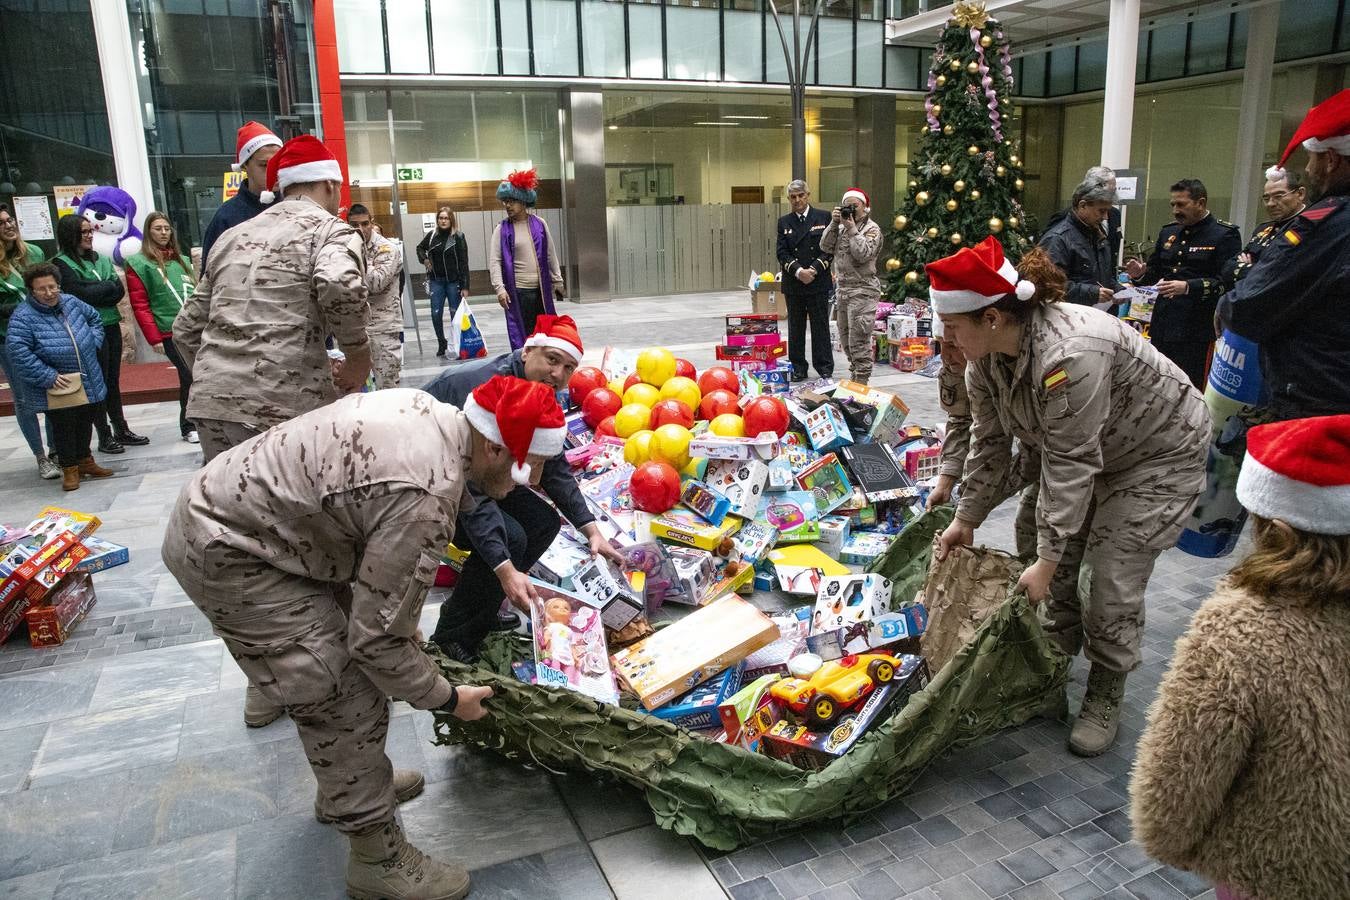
(995, 224)
(911, 278)
(951, 205)
(937, 109)
(1019, 184)
(986, 41)
(972, 150)
(956, 65)
(1013, 159)
(1000, 171)
(892, 264)
(921, 198)
(913, 184)
(972, 67)
(946, 169)
(941, 81)
(901, 222)
(948, 130)
(932, 233)
(1012, 221)
(958, 185)
(975, 194)
(956, 237)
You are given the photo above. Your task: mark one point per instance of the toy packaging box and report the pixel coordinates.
(711, 505)
(10, 537)
(899, 327)
(102, 555)
(716, 447)
(772, 659)
(834, 530)
(695, 573)
(742, 324)
(849, 599)
(569, 644)
(828, 483)
(578, 432)
(764, 353)
(741, 481)
(660, 580)
(883, 631)
(767, 339)
(863, 548)
(776, 380)
(738, 712)
(793, 514)
(878, 474)
(681, 526)
(29, 573)
(610, 592)
(826, 428)
(891, 410)
(52, 520)
(780, 476)
(754, 541)
(810, 750)
(561, 560)
(802, 567)
(51, 622)
(923, 463)
(684, 654)
(699, 708)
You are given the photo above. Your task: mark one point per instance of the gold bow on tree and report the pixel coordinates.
(970, 14)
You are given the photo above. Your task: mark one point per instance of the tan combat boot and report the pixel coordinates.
(1095, 729)
(70, 478)
(384, 866)
(87, 466)
(408, 783)
(258, 710)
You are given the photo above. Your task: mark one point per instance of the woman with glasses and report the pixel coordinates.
(16, 255)
(89, 277)
(160, 280)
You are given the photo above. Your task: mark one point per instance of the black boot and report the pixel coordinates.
(124, 435)
(109, 444)
(440, 348)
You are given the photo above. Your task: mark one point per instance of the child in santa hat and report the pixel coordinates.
(1243, 772)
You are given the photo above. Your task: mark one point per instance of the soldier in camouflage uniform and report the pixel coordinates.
(855, 242)
(277, 285)
(311, 549)
(384, 268)
(1121, 437)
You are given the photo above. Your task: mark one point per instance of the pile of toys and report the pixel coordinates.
(903, 337)
(46, 570)
(728, 496)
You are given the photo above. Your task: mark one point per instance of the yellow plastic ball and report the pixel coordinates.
(616, 385)
(642, 393)
(911, 278)
(727, 425)
(956, 237)
(656, 366)
(632, 418)
(670, 443)
(951, 205)
(921, 198)
(683, 389)
(958, 185)
(892, 264)
(995, 224)
(638, 448)
(932, 232)
(901, 222)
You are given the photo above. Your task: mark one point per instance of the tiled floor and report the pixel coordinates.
(125, 769)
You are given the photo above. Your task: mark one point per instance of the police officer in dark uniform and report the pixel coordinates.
(1284, 197)
(1293, 302)
(1187, 266)
(806, 282)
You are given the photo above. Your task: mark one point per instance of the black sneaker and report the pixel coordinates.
(798, 376)
(453, 650)
(130, 438)
(507, 621)
(110, 445)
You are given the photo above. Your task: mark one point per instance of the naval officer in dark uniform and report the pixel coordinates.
(1187, 266)
(1293, 301)
(806, 282)
(1284, 197)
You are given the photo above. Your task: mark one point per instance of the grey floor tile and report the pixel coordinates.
(980, 848)
(109, 741)
(754, 861)
(796, 881)
(1002, 806)
(833, 867)
(1033, 892)
(38, 886)
(994, 879)
(725, 871)
(1102, 798)
(864, 829)
(1057, 785)
(835, 892)
(1013, 835)
(876, 885)
(792, 849)
(54, 826)
(947, 860)
(199, 868)
(1072, 811)
(1117, 824)
(158, 676)
(759, 889)
(1042, 822)
(1133, 857)
(1059, 851)
(912, 874)
(565, 873)
(905, 842)
(601, 806)
(939, 830)
(896, 815)
(1153, 886)
(1091, 839)
(648, 862)
(959, 887)
(215, 721)
(45, 695)
(1188, 883)
(870, 854)
(1027, 865)
(18, 749)
(970, 818)
(315, 859)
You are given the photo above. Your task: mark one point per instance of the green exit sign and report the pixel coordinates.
(409, 174)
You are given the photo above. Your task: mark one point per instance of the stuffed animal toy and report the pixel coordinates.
(112, 212)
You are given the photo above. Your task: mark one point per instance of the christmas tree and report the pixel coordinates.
(965, 179)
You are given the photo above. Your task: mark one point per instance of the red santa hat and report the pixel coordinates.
(300, 160)
(558, 332)
(857, 194)
(1326, 128)
(252, 137)
(973, 278)
(522, 416)
(1299, 471)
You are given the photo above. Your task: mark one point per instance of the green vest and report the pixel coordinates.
(100, 269)
(168, 288)
(12, 290)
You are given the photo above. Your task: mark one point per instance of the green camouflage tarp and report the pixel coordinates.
(725, 796)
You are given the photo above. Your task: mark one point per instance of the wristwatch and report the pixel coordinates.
(449, 705)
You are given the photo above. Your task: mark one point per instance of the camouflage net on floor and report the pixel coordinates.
(725, 796)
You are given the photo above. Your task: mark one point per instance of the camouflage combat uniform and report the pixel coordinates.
(384, 262)
(311, 551)
(856, 290)
(253, 332)
(1122, 438)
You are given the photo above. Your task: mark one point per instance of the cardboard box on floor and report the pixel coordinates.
(768, 299)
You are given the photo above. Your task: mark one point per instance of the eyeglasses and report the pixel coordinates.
(84, 231)
(1275, 197)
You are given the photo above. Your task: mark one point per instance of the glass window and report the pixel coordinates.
(555, 37)
(1091, 66)
(1307, 28)
(902, 68)
(745, 54)
(692, 44)
(1063, 61)
(776, 67)
(644, 40)
(1209, 46)
(602, 38)
(1239, 53)
(360, 36)
(515, 37)
(835, 50)
(1033, 75)
(369, 159)
(408, 51)
(464, 33)
(1167, 52)
(871, 39)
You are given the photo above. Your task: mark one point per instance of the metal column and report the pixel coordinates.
(1263, 24)
(583, 156)
(1122, 47)
(874, 153)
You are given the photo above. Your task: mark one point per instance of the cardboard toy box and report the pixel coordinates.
(754, 541)
(766, 353)
(740, 324)
(899, 327)
(848, 599)
(684, 654)
(714, 446)
(699, 708)
(877, 473)
(826, 428)
(883, 631)
(864, 548)
(598, 584)
(828, 483)
(834, 530)
(29, 573)
(767, 299)
(741, 481)
(660, 581)
(102, 555)
(794, 515)
(561, 560)
(811, 750)
(754, 340)
(682, 526)
(52, 520)
(695, 573)
(569, 644)
(738, 712)
(51, 622)
(891, 410)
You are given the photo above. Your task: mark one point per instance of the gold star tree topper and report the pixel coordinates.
(970, 14)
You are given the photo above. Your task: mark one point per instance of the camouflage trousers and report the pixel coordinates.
(217, 436)
(1097, 593)
(386, 358)
(855, 311)
(289, 636)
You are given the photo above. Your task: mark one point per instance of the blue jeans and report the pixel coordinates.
(443, 291)
(23, 411)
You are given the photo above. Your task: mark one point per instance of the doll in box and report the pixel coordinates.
(555, 643)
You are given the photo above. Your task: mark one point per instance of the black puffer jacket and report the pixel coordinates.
(1084, 256)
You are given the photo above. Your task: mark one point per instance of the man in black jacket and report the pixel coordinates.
(506, 537)
(1284, 196)
(1113, 236)
(254, 147)
(1078, 244)
(806, 282)
(1188, 265)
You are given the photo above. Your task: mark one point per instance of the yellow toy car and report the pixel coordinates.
(834, 688)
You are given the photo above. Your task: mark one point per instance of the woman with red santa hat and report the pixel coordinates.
(1120, 436)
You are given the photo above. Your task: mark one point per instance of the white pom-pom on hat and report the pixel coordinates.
(1025, 290)
(520, 473)
(267, 197)
(1275, 173)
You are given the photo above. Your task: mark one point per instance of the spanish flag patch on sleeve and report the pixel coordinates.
(1292, 237)
(1054, 378)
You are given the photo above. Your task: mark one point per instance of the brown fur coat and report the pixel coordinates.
(1243, 773)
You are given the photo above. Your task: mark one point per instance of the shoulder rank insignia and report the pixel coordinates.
(1054, 378)
(1317, 213)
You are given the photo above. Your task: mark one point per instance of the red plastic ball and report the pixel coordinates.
(719, 378)
(606, 427)
(685, 368)
(765, 414)
(668, 412)
(631, 380)
(599, 403)
(655, 487)
(583, 381)
(718, 402)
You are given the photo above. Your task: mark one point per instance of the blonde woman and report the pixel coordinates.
(445, 253)
(160, 281)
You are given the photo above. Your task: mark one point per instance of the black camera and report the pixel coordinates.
(846, 212)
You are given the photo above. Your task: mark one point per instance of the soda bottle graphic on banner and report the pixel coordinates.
(1232, 394)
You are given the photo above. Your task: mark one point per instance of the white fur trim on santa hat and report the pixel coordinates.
(547, 442)
(1307, 507)
(1338, 144)
(315, 170)
(857, 195)
(539, 339)
(253, 145)
(951, 302)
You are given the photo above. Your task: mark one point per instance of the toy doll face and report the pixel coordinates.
(557, 610)
(106, 223)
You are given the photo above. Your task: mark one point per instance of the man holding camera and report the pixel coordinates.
(806, 282)
(855, 242)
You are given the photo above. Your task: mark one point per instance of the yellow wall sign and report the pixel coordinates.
(231, 185)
